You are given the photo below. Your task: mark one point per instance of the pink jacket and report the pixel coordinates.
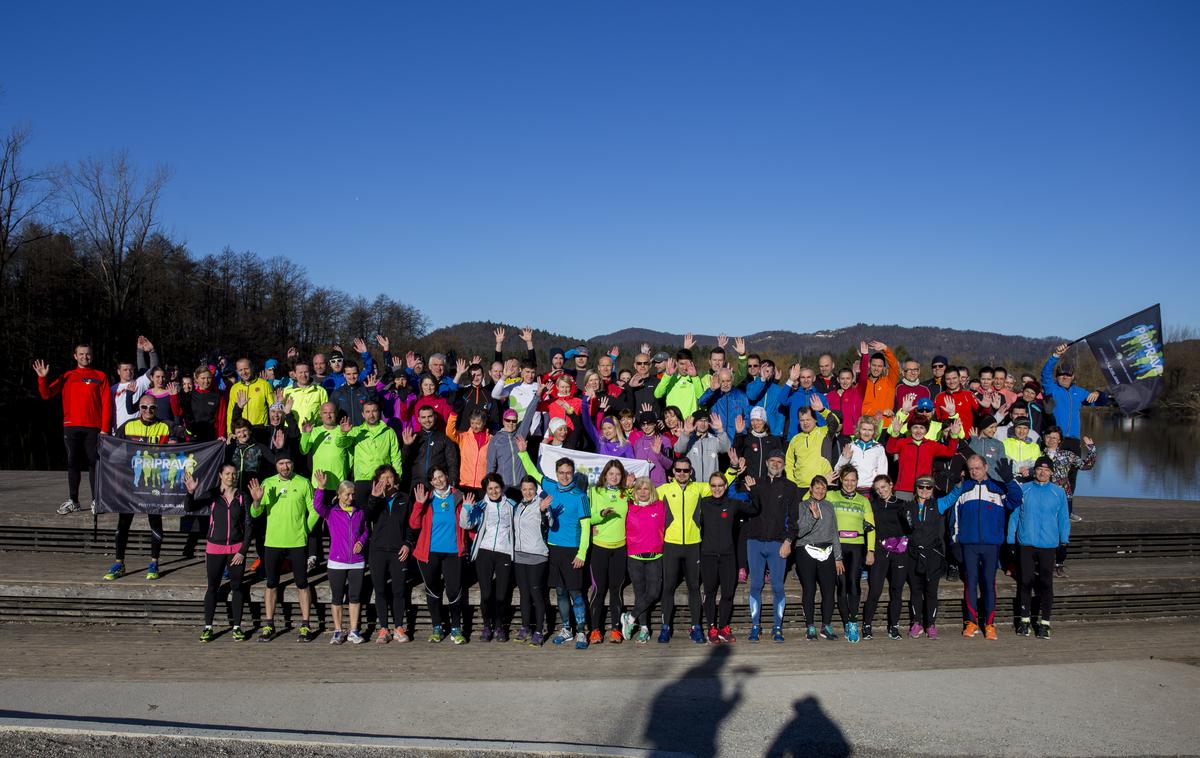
(849, 404)
(644, 527)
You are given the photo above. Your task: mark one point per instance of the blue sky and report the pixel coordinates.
(1029, 168)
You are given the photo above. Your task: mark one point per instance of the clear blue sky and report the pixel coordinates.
(587, 167)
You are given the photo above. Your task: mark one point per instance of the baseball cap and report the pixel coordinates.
(925, 404)
(659, 357)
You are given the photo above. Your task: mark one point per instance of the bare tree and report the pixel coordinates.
(114, 212)
(24, 196)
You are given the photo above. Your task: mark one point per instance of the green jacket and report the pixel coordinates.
(681, 391)
(289, 508)
(854, 514)
(330, 450)
(373, 447)
(608, 531)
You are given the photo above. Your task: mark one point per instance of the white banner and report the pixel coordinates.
(588, 464)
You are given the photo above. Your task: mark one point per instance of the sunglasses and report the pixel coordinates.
(681, 470)
(510, 421)
(924, 486)
(939, 365)
(335, 360)
(641, 363)
(753, 365)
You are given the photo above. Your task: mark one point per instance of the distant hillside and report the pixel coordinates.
(923, 342)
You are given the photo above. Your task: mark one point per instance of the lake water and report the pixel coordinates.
(1142, 458)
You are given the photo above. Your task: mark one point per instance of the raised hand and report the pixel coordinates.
(656, 443)
(722, 340)
(527, 336)
(191, 483)
(636, 381)
(544, 503)
(384, 343)
(645, 348)
(397, 362)
(278, 440)
(419, 493)
(377, 489)
(173, 388)
(1061, 350)
(499, 334)
(372, 379)
(949, 406)
(1093, 396)
(647, 408)
(345, 425)
(689, 341)
(306, 427)
(407, 436)
(410, 360)
(288, 402)
(847, 451)
(279, 394)
(604, 404)
(713, 382)
(816, 404)
(256, 490)
(338, 348)
(242, 399)
(862, 348)
(359, 345)
(292, 354)
(739, 424)
(1088, 441)
(461, 366)
(689, 425)
(41, 368)
(669, 367)
(910, 402)
(794, 374)
(717, 424)
(477, 360)
(522, 444)
(750, 482)
(319, 479)
(739, 345)
(469, 499)
(615, 352)
(877, 346)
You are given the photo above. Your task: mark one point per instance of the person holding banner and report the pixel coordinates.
(1058, 383)
(228, 542)
(287, 501)
(86, 413)
(145, 428)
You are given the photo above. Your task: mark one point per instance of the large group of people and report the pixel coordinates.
(428, 471)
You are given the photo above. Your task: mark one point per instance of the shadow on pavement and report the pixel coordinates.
(810, 732)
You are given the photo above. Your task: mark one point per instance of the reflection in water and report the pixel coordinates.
(1142, 458)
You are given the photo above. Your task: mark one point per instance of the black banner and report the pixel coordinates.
(137, 477)
(1130, 353)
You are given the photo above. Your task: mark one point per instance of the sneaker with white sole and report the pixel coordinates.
(68, 507)
(627, 625)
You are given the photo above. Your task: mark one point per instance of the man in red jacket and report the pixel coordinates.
(86, 412)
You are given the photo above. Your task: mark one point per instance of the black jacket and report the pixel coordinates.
(389, 525)
(471, 399)
(716, 516)
(228, 522)
(925, 527)
(773, 500)
(888, 520)
(252, 460)
(432, 449)
(350, 399)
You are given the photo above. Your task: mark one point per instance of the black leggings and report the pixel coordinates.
(608, 577)
(812, 573)
(125, 521)
(531, 580)
(81, 451)
(718, 570)
(892, 567)
(923, 595)
(849, 584)
(443, 572)
(214, 567)
(647, 580)
(494, 571)
(681, 561)
(385, 565)
(340, 580)
(1037, 571)
(273, 558)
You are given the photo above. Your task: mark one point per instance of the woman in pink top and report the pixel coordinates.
(645, 524)
(846, 399)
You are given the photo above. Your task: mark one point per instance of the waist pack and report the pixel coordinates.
(848, 534)
(895, 544)
(819, 552)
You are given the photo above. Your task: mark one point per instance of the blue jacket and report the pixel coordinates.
(979, 509)
(1041, 520)
(768, 396)
(792, 400)
(1067, 402)
(365, 369)
(728, 406)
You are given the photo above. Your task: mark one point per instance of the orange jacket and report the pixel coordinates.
(879, 395)
(472, 465)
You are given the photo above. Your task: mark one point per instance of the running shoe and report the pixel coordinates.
(664, 634)
(811, 633)
(383, 637)
(894, 633)
(436, 636)
(866, 632)
(971, 629)
(1060, 572)
(68, 507)
(564, 636)
(777, 634)
(581, 641)
(595, 638)
(989, 632)
(485, 634)
(743, 576)
(915, 630)
(725, 634)
(627, 625)
(931, 632)
(206, 634)
(1043, 630)
(1076, 517)
(254, 567)
(643, 636)
(852, 634)
(615, 637)
(1023, 627)
(712, 635)
(456, 636)
(305, 634)
(338, 638)
(116, 571)
(238, 634)
(266, 634)
(502, 635)
(152, 571)
(522, 634)
(696, 635)
(536, 639)
(400, 636)
(755, 633)
(354, 638)
(828, 633)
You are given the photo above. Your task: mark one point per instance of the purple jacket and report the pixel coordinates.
(660, 462)
(344, 529)
(396, 410)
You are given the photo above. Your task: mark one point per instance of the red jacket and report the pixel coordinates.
(422, 518)
(849, 405)
(917, 459)
(965, 405)
(85, 398)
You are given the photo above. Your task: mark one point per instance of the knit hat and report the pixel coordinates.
(940, 359)
(556, 351)
(701, 415)
(984, 421)
(556, 423)
(1044, 461)
(758, 412)
(920, 421)
(271, 363)
(509, 414)
(1021, 421)
(776, 453)
(647, 418)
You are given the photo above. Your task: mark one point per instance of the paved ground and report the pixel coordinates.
(1113, 689)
